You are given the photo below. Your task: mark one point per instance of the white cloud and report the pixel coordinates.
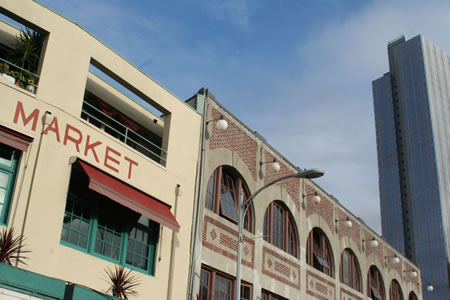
(327, 105)
(314, 107)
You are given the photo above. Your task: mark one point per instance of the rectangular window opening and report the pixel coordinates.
(119, 109)
(9, 158)
(217, 285)
(22, 47)
(99, 226)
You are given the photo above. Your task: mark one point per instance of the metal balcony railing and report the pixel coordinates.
(22, 77)
(115, 128)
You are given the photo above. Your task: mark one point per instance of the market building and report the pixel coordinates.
(299, 242)
(97, 167)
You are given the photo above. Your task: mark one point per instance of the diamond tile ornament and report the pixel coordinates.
(269, 262)
(213, 234)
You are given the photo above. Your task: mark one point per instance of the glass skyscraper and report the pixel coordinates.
(412, 117)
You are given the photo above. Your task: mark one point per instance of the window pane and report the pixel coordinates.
(8, 166)
(277, 227)
(140, 242)
(76, 224)
(2, 196)
(223, 289)
(227, 196)
(210, 192)
(6, 155)
(4, 178)
(204, 285)
(292, 242)
(266, 225)
(245, 292)
(107, 230)
(346, 267)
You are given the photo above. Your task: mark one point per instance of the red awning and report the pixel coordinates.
(130, 197)
(14, 139)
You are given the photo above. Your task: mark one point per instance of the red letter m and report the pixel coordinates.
(33, 116)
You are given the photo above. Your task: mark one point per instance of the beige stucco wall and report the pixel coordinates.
(41, 188)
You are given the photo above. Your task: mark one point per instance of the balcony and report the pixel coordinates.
(15, 75)
(21, 53)
(122, 127)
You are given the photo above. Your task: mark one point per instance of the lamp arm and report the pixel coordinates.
(247, 202)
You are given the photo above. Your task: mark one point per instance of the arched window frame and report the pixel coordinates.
(227, 179)
(349, 271)
(280, 229)
(395, 291)
(375, 285)
(412, 296)
(319, 253)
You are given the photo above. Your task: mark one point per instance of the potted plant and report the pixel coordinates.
(4, 69)
(27, 49)
(30, 84)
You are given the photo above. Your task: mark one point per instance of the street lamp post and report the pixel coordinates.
(244, 205)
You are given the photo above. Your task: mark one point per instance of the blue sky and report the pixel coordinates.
(298, 72)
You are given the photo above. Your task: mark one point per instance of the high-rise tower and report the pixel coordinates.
(412, 116)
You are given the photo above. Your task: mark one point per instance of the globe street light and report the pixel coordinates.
(244, 205)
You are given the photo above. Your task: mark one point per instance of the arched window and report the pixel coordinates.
(375, 286)
(349, 271)
(318, 252)
(222, 195)
(412, 296)
(395, 291)
(280, 229)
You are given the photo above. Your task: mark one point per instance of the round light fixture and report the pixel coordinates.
(222, 124)
(395, 260)
(275, 166)
(430, 288)
(374, 243)
(348, 223)
(316, 199)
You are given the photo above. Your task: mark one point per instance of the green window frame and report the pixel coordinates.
(97, 225)
(9, 160)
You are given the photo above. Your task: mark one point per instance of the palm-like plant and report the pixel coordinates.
(11, 248)
(27, 49)
(122, 282)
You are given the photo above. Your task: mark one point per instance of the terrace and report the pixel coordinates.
(20, 54)
(112, 111)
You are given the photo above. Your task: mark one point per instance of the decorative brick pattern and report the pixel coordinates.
(236, 140)
(319, 287)
(323, 209)
(390, 265)
(280, 268)
(291, 184)
(347, 295)
(223, 240)
(352, 232)
(378, 251)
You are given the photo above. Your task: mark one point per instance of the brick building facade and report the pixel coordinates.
(293, 248)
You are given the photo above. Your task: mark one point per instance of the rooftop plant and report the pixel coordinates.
(27, 49)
